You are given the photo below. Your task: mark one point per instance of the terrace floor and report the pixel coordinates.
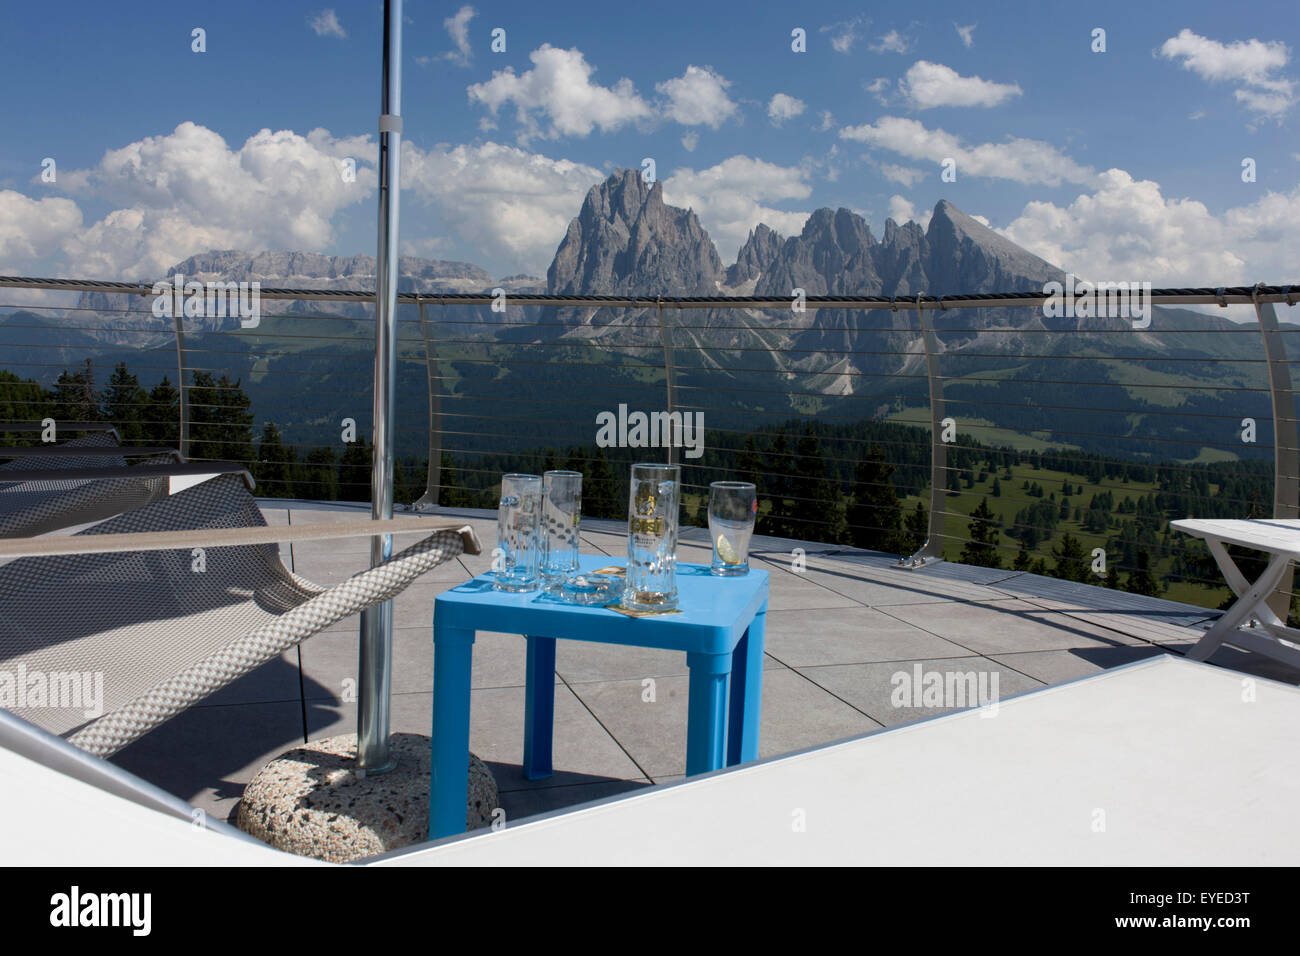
(837, 632)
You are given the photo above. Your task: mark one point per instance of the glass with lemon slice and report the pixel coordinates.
(733, 507)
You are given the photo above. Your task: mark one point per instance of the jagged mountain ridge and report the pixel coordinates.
(626, 239)
(309, 270)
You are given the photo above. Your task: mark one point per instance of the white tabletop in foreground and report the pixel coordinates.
(1160, 762)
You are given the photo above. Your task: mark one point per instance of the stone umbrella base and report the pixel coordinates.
(311, 802)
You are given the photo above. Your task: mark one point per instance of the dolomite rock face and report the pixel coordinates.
(626, 240)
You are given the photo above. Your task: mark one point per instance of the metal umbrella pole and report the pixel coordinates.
(375, 668)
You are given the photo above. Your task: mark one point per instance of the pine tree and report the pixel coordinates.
(355, 471)
(221, 426)
(997, 487)
(21, 400)
(600, 490)
(75, 395)
(916, 530)
(749, 464)
(124, 404)
(161, 415)
(818, 507)
(319, 481)
(274, 469)
(1021, 562)
(1071, 560)
(1141, 580)
(451, 493)
(982, 549)
(776, 487)
(876, 516)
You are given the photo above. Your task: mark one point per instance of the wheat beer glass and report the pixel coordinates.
(561, 518)
(733, 506)
(652, 538)
(518, 555)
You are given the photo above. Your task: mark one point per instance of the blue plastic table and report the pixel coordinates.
(720, 628)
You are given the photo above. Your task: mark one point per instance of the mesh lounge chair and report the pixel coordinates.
(125, 599)
(87, 479)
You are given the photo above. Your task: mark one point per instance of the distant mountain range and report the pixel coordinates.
(625, 239)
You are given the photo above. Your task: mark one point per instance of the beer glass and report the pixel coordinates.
(561, 519)
(518, 554)
(652, 538)
(733, 506)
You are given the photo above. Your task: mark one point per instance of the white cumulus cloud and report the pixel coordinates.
(901, 209)
(1252, 64)
(783, 107)
(697, 98)
(927, 85)
(326, 24)
(559, 88)
(1127, 229)
(879, 88)
(845, 33)
(457, 27)
(506, 206)
(32, 229)
(1016, 159)
(188, 191)
(967, 34)
(891, 42)
(730, 198)
(904, 175)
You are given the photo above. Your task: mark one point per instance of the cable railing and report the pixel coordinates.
(980, 420)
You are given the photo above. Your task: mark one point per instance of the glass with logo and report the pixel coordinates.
(561, 520)
(518, 556)
(652, 538)
(733, 507)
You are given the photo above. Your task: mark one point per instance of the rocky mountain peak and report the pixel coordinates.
(626, 239)
(968, 256)
(762, 246)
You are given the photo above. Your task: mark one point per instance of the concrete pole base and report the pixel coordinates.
(310, 801)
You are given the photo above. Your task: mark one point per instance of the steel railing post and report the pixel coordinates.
(932, 550)
(1286, 458)
(433, 477)
(178, 324)
(670, 375)
(374, 673)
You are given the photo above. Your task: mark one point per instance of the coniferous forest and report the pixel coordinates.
(863, 484)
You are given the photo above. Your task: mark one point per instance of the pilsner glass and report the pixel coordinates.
(733, 506)
(652, 538)
(561, 518)
(517, 560)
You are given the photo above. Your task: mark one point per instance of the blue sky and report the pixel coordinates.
(1122, 164)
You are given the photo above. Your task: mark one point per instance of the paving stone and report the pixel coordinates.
(853, 635)
(871, 688)
(1006, 626)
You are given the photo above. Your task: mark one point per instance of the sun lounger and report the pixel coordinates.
(87, 479)
(169, 602)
